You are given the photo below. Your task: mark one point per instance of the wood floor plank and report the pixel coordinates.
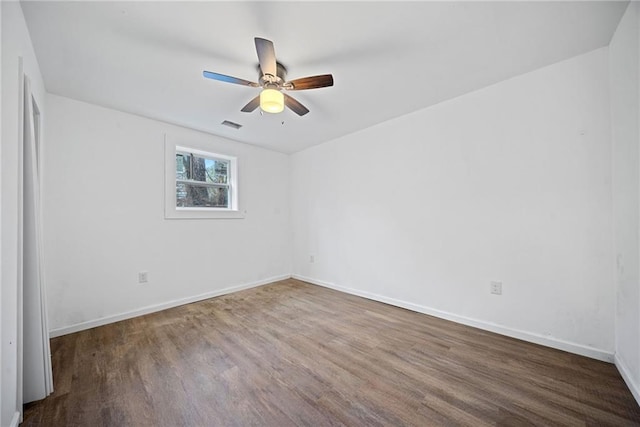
(292, 354)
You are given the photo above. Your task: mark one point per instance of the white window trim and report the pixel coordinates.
(171, 211)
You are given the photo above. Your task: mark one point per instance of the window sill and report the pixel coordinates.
(203, 213)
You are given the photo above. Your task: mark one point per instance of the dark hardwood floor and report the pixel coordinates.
(291, 353)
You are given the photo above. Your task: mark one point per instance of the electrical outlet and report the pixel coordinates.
(312, 259)
(496, 288)
(143, 277)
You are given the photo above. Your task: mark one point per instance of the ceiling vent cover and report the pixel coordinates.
(232, 124)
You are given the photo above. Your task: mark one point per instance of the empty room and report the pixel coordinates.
(314, 213)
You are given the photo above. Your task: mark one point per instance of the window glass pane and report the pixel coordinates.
(202, 169)
(182, 165)
(196, 196)
(217, 171)
(198, 169)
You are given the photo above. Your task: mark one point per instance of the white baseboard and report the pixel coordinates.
(532, 337)
(626, 376)
(15, 421)
(158, 307)
(580, 349)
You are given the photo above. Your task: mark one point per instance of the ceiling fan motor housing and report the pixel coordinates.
(270, 81)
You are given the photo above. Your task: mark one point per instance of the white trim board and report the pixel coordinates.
(159, 307)
(628, 379)
(15, 421)
(558, 344)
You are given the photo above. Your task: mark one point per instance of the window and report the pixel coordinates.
(200, 184)
(202, 181)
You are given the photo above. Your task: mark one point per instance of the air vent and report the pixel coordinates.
(231, 124)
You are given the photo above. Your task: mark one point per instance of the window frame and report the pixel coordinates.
(171, 211)
(207, 156)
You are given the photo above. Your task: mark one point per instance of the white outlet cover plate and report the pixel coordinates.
(496, 288)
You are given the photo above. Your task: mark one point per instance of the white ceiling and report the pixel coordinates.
(387, 58)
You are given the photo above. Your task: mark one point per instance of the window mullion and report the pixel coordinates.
(200, 183)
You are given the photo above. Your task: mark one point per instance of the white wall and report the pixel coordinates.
(104, 218)
(625, 108)
(1, 282)
(510, 183)
(15, 43)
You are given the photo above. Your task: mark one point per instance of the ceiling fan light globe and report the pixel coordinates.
(272, 101)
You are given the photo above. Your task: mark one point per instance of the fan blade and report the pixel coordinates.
(295, 106)
(310, 82)
(228, 79)
(252, 105)
(266, 56)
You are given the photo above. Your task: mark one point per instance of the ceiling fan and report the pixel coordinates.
(272, 78)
